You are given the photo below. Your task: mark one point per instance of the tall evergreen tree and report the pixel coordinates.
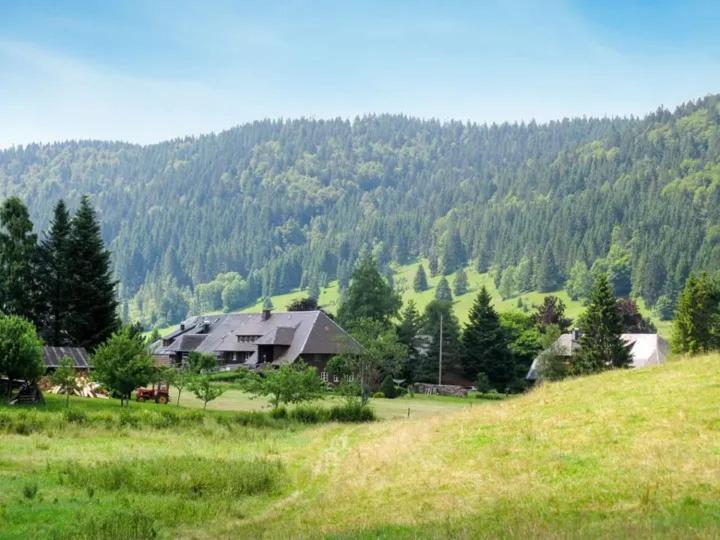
(442, 291)
(19, 262)
(56, 284)
(92, 294)
(485, 344)
(547, 276)
(697, 317)
(428, 366)
(420, 282)
(369, 296)
(461, 282)
(433, 265)
(601, 346)
(408, 331)
(453, 255)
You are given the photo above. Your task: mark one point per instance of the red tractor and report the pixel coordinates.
(159, 393)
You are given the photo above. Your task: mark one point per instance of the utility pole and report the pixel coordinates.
(440, 356)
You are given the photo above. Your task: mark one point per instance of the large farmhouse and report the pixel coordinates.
(645, 350)
(258, 339)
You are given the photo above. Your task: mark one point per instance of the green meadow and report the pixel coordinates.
(615, 455)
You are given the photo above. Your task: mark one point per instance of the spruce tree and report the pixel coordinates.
(601, 346)
(92, 295)
(369, 296)
(696, 327)
(547, 276)
(19, 262)
(453, 255)
(433, 265)
(442, 291)
(461, 282)
(428, 366)
(420, 283)
(485, 344)
(408, 330)
(551, 313)
(56, 284)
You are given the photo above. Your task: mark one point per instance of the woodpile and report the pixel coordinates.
(84, 387)
(440, 389)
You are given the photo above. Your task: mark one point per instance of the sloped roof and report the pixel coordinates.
(645, 350)
(302, 332)
(53, 355)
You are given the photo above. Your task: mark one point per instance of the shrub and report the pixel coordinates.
(30, 490)
(352, 412)
(378, 395)
(279, 413)
(74, 416)
(388, 387)
(491, 395)
(309, 414)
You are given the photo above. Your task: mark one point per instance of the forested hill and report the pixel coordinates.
(282, 204)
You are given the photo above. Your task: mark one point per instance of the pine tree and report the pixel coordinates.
(442, 291)
(579, 282)
(485, 344)
(507, 283)
(92, 295)
(547, 277)
(420, 283)
(433, 265)
(19, 262)
(601, 346)
(453, 255)
(369, 296)
(56, 261)
(408, 331)
(461, 282)
(697, 317)
(428, 366)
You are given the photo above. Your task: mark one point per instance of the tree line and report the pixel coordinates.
(63, 284)
(292, 204)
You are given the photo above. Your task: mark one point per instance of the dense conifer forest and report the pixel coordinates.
(217, 221)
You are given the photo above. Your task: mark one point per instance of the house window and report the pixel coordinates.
(324, 376)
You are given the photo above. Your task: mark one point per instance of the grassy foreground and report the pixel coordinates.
(622, 454)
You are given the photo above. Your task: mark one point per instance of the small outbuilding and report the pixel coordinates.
(645, 350)
(54, 355)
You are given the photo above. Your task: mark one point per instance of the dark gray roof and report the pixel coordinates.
(282, 335)
(187, 343)
(53, 355)
(301, 332)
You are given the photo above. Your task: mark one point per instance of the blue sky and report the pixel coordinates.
(149, 71)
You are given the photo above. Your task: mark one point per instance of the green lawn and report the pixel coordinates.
(622, 454)
(420, 406)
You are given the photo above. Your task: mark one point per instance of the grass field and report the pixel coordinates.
(617, 455)
(404, 276)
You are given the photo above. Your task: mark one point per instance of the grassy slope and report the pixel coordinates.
(622, 454)
(616, 455)
(404, 276)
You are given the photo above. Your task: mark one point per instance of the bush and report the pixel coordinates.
(491, 395)
(388, 387)
(310, 414)
(30, 490)
(74, 416)
(379, 395)
(279, 413)
(352, 412)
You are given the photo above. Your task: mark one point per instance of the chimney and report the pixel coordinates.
(182, 327)
(575, 334)
(266, 313)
